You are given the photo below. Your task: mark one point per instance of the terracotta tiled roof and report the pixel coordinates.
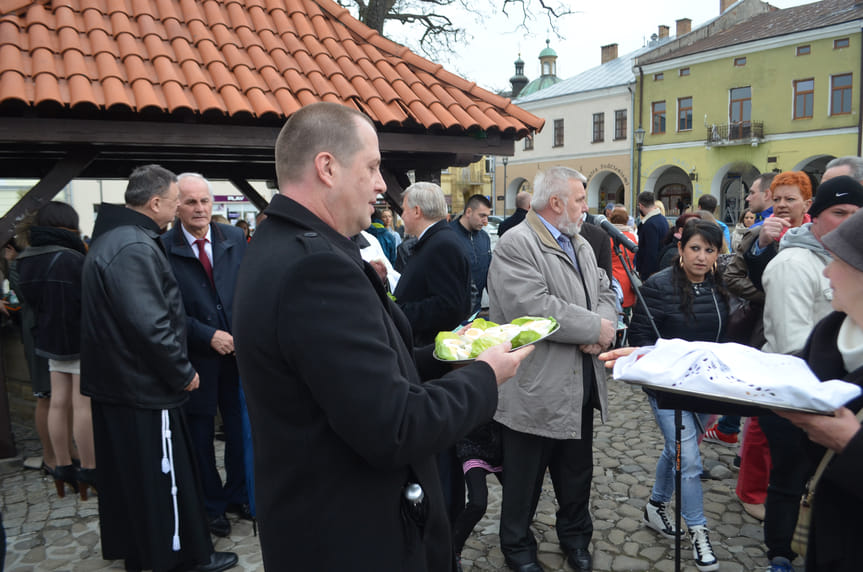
(245, 60)
(770, 25)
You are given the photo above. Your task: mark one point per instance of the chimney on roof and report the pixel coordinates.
(725, 5)
(684, 26)
(609, 53)
(663, 31)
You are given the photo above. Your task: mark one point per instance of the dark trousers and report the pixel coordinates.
(451, 482)
(570, 464)
(788, 475)
(472, 513)
(201, 427)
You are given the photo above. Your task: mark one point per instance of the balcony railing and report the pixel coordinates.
(735, 133)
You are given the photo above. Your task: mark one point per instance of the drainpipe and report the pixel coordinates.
(640, 119)
(631, 158)
(860, 104)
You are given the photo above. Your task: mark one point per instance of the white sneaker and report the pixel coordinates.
(656, 517)
(702, 551)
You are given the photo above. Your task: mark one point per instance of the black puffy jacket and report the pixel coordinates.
(707, 324)
(133, 325)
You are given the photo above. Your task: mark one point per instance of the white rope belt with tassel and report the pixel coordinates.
(168, 467)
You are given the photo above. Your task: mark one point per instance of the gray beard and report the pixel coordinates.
(567, 226)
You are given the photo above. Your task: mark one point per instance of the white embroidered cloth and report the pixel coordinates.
(733, 371)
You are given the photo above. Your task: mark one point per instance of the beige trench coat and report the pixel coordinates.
(531, 275)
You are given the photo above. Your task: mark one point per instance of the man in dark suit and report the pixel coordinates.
(434, 290)
(651, 232)
(206, 258)
(344, 432)
(598, 240)
(522, 205)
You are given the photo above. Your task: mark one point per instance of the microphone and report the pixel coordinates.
(618, 236)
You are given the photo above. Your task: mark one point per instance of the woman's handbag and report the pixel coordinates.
(800, 540)
(746, 324)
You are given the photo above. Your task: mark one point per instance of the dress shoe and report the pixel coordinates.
(241, 510)
(529, 567)
(219, 526)
(580, 560)
(219, 561)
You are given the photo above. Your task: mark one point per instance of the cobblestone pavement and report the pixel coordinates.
(45, 532)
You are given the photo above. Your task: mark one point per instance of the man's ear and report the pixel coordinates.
(325, 167)
(154, 203)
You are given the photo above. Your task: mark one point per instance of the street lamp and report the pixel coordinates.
(505, 161)
(639, 143)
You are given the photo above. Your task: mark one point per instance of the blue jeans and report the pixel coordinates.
(729, 424)
(692, 509)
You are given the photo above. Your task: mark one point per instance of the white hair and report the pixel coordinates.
(852, 162)
(553, 182)
(429, 198)
(199, 176)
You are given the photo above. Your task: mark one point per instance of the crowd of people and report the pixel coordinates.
(346, 440)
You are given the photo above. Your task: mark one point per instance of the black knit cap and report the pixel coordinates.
(837, 191)
(846, 241)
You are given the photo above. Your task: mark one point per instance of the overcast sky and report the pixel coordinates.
(488, 58)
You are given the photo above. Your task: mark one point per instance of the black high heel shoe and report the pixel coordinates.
(46, 470)
(63, 475)
(86, 478)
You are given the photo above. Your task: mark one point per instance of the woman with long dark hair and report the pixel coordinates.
(686, 301)
(668, 252)
(50, 281)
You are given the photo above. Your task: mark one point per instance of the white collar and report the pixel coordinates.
(190, 238)
(654, 211)
(850, 344)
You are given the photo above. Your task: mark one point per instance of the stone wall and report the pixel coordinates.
(17, 375)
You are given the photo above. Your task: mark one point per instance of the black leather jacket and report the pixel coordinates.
(133, 346)
(49, 280)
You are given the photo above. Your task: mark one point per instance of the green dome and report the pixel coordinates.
(547, 52)
(539, 83)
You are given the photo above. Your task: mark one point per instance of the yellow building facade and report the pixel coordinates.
(461, 183)
(721, 111)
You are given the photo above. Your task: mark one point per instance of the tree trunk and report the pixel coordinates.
(375, 14)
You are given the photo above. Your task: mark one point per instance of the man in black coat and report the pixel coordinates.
(434, 290)
(652, 230)
(522, 205)
(135, 369)
(207, 285)
(598, 240)
(344, 432)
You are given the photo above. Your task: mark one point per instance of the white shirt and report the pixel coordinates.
(208, 246)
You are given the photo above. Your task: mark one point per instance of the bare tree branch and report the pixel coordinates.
(439, 32)
(552, 12)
